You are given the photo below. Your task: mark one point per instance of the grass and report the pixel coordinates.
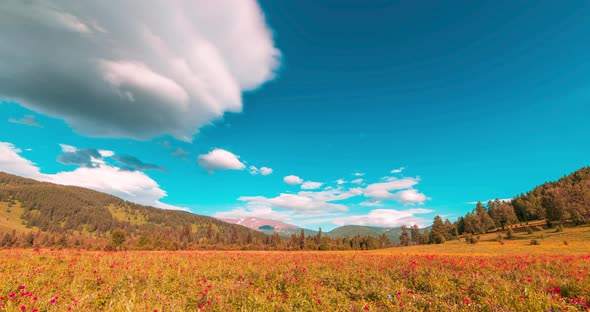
(126, 214)
(10, 218)
(551, 243)
(454, 276)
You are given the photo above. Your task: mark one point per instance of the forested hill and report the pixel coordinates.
(565, 201)
(79, 217)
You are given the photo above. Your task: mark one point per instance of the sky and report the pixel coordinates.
(314, 113)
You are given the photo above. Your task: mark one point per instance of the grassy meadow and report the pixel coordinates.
(455, 276)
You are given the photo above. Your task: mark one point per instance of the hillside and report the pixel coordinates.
(86, 218)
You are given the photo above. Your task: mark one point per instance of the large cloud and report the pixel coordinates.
(134, 186)
(134, 68)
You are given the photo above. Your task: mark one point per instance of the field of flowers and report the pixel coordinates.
(289, 281)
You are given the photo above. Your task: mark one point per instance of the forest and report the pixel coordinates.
(56, 216)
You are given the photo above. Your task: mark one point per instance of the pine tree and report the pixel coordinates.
(404, 238)
(437, 235)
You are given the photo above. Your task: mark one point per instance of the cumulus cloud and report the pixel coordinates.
(385, 218)
(340, 181)
(292, 179)
(300, 204)
(134, 186)
(357, 181)
(410, 196)
(310, 185)
(305, 203)
(220, 159)
(358, 174)
(28, 120)
(132, 163)
(265, 171)
(137, 69)
(262, 170)
(400, 190)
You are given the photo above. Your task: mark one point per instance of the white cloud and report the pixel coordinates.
(306, 203)
(340, 181)
(263, 212)
(358, 174)
(11, 162)
(411, 196)
(265, 171)
(292, 179)
(134, 186)
(262, 170)
(371, 203)
(398, 170)
(310, 185)
(405, 194)
(68, 148)
(383, 190)
(332, 195)
(137, 69)
(357, 181)
(219, 159)
(253, 170)
(106, 153)
(385, 218)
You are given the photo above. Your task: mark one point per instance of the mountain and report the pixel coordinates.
(268, 226)
(71, 216)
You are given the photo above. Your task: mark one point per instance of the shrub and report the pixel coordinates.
(535, 242)
(470, 239)
(538, 229)
(509, 234)
(529, 230)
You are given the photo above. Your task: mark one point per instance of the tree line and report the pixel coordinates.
(559, 202)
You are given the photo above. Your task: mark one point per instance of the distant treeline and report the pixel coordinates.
(57, 216)
(566, 200)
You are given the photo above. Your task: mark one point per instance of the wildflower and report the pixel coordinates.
(366, 308)
(466, 300)
(22, 308)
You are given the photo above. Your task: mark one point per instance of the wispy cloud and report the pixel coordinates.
(28, 120)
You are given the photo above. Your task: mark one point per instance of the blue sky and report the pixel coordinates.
(474, 100)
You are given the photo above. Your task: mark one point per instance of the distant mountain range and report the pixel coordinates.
(269, 226)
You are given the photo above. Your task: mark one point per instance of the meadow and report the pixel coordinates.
(455, 276)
